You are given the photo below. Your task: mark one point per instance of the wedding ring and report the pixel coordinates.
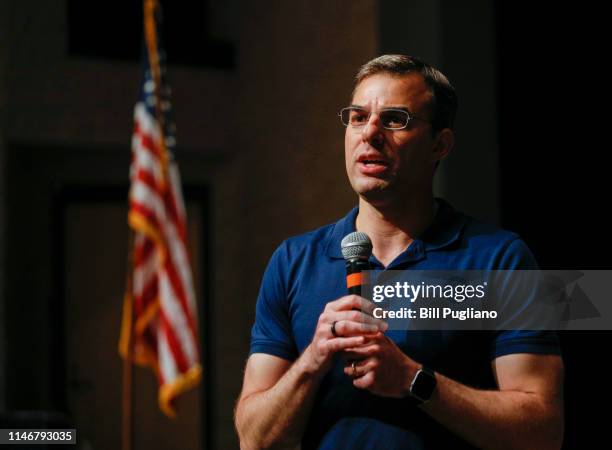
(333, 328)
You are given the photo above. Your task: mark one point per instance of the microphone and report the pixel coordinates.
(356, 249)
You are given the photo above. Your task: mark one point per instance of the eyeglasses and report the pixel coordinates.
(391, 118)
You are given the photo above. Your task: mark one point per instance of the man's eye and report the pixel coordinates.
(357, 118)
(393, 119)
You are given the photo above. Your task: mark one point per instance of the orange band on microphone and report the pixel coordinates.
(355, 279)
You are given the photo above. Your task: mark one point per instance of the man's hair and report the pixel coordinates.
(443, 97)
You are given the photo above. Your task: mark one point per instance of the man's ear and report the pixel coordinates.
(445, 140)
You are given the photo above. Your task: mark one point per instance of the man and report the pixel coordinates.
(324, 373)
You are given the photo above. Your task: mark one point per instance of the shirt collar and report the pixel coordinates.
(445, 229)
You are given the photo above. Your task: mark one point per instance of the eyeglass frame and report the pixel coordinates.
(403, 110)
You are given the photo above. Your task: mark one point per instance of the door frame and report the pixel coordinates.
(70, 194)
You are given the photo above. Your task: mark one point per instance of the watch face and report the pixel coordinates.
(423, 385)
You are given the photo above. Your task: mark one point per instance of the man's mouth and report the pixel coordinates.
(378, 162)
(372, 166)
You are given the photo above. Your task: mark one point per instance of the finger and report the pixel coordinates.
(348, 328)
(360, 316)
(353, 370)
(340, 343)
(357, 316)
(363, 351)
(361, 367)
(349, 355)
(369, 339)
(365, 381)
(377, 337)
(349, 302)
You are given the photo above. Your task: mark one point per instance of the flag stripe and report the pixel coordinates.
(174, 314)
(146, 140)
(149, 293)
(148, 179)
(174, 344)
(143, 251)
(148, 161)
(180, 295)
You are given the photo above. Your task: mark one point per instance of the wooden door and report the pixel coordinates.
(95, 241)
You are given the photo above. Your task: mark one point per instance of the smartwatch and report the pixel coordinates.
(423, 385)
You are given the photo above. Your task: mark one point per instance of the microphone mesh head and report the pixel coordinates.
(356, 245)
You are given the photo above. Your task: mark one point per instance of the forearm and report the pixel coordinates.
(277, 417)
(277, 396)
(496, 419)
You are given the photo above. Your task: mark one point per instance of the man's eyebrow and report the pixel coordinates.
(400, 107)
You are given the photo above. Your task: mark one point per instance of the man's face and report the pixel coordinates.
(381, 162)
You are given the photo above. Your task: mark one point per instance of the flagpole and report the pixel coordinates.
(150, 29)
(149, 7)
(128, 374)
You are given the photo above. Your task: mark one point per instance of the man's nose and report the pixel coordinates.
(373, 130)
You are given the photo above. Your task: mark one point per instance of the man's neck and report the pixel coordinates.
(393, 227)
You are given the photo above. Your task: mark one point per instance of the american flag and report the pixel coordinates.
(160, 301)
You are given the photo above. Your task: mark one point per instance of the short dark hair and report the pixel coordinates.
(444, 99)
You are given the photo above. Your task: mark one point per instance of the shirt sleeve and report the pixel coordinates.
(517, 256)
(272, 332)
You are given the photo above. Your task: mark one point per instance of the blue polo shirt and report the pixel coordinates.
(308, 271)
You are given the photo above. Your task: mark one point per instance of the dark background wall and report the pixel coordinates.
(256, 88)
(553, 178)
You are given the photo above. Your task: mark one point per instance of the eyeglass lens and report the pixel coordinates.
(390, 118)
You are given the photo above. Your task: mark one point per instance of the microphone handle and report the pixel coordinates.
(356, 275)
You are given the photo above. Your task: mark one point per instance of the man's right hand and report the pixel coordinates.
(353, 319)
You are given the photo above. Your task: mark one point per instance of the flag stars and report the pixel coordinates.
(170, 141)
